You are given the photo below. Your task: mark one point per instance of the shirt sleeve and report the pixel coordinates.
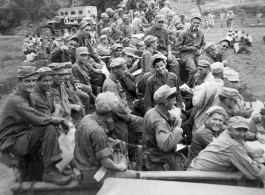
(205, 138)
(31, 115)
(100, 145)
(166, 139)
(180, 43)
(147, 96)
(199, 96)
(146, 62)
(246, 165)
(179, 97)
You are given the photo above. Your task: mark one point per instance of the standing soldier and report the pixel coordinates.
(163, 41)
(242, 15)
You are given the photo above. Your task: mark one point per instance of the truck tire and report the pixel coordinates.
(73, 30)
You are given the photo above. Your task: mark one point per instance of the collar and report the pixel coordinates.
(82, 66)
(161, 111)
(113, 78)
(156, 76)
(39, 91)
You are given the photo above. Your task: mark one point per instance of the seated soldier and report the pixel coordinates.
(132, 60)
(229, 152)
(65, 53)
(26, 131)
(202, 74)
(84, 72)
(116, 51)
(222, 48)
(103, 47)
(70, 82)
(73, 97)
(205, 134)
(232, 104)
(150, 46)
(93, 149)
(126, 42)
(43, 99)
(161, 77)
(211, 51)
(137, 23)
(231, 78)
(127, 126)
(160, 136)
(59, 93)
(206, 95)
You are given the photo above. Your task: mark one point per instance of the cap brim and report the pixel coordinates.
(48, 72)
(83, 53)
(63, 71)
(235, 126)
(32, 74)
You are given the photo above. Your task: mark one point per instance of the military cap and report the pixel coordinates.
(231, 75)
(71, 37)
(130, 52)
(104, 30)
(109, 10)
(83, 24)
(159, 17)
(117, 62)
(204, 63)
(26, 71)
(157, 56)
(216, 109)
(229, 93)
(104, 15)
(238, 122)
(196, 16)
(217, 67)
(149, 39)
(116, 46)
(81, 50)
(106, 102)
(58, 68)
(45, 71)
(163, 92)
(103, 37)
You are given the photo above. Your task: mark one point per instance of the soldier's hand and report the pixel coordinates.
(56, 120)
(192, 48)
(260, 138)
(63, 47)
(65, 125)
(122, 166)
(178, 130)
(169, 57)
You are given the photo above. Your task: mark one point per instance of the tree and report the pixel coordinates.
(199, 3)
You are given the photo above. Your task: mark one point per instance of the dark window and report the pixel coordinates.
(72, 12)
(66, 13)
(80, 12)
(61, 13)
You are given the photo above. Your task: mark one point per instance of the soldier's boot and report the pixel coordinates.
(52, 175)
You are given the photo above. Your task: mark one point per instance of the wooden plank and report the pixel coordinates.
(142, 187)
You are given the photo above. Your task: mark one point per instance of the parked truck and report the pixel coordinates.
(67, 20)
